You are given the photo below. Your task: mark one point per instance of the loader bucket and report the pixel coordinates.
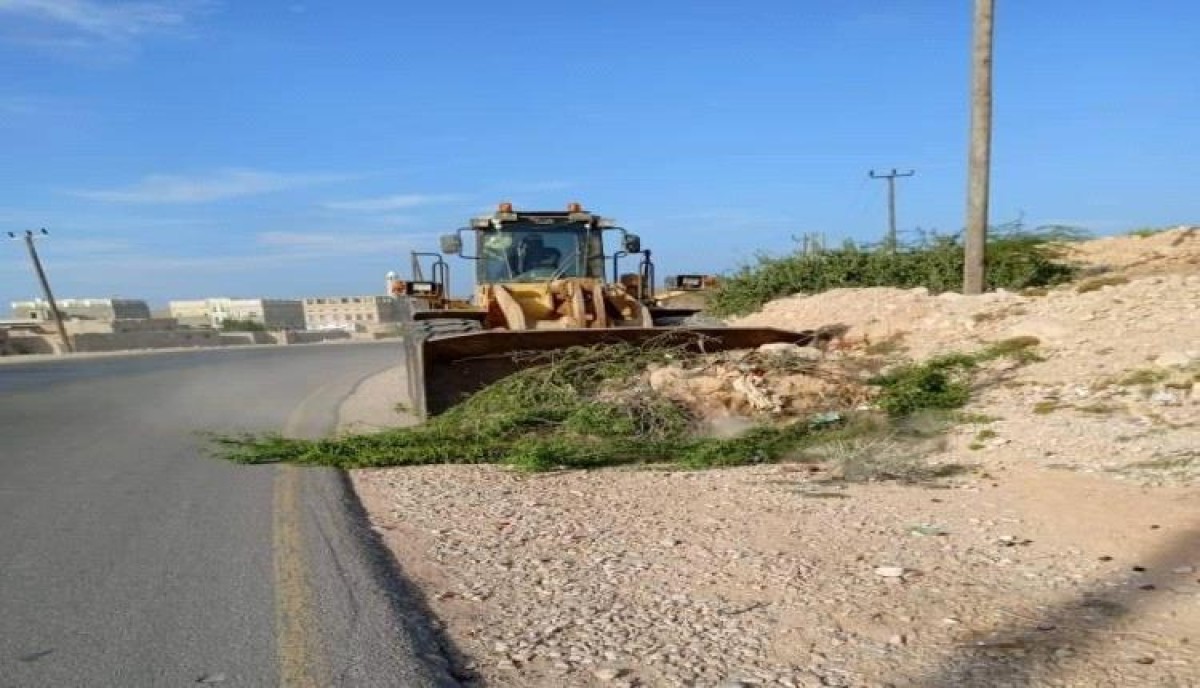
(446, 366)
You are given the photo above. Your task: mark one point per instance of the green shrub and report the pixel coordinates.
(940, 383)
(1016, 260)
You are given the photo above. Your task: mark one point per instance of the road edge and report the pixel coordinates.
(409, 618)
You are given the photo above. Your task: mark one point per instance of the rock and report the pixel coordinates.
(705, 385)
(778, 348)
(664, 378)
(890, 571)
(789, 350)
(808, 353)
(1174, 359)
(756, 394)
(608, 673)
(1046, 330)
(1165, 398)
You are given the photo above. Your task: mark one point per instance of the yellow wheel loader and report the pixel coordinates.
(686, 292)
(540, 285)
(429, 296)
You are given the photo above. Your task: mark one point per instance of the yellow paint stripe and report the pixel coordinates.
(301, 660)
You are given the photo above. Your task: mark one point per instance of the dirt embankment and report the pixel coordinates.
(1069, 555)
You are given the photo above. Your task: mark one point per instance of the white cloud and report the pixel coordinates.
(109, 21)
(397, 202)
(225, 184)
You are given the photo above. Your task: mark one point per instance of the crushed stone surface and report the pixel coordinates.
(764, 576)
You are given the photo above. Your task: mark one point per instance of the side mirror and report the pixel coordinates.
(632, 243)
(451, 244)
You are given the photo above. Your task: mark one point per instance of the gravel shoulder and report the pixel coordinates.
(764, 576)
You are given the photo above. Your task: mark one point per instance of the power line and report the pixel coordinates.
(41, 275)
(891, 180)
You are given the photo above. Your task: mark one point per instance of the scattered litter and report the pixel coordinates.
(822, 419)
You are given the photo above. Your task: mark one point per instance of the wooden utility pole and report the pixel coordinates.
(979, 161)
(892, 241)
(41, 275)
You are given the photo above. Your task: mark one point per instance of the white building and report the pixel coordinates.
(273, 314)
(350, 313)
(83, 309)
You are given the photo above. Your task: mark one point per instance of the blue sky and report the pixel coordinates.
(187, 148)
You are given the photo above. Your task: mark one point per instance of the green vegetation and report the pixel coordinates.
(887, 456)
(1017, 260)
(586, 407)
(1098, 408)
(578, 409)
(1043, 408)
(977, 418)
(233, 325)
(1144, 232)
(943, 382)
(1143, 376)
(1097, 283)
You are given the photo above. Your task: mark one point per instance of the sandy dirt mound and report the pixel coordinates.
(1173, 250)
(1114, 393)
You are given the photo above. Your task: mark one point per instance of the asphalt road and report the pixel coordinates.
(131, 557)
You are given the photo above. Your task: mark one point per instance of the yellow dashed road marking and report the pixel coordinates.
(301, 660)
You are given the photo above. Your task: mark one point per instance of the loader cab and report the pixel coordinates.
(530, 252)
(535, 246)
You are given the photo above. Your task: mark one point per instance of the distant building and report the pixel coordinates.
(83, 309)
(274, 314)
(194, 313)
(349, 313)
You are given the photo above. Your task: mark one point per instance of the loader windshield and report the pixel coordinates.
(528, 252)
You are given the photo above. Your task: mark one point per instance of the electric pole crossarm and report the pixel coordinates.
(41, 275)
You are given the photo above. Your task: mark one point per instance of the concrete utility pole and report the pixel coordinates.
(979, 162)
(41, 275)
(892, 241)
